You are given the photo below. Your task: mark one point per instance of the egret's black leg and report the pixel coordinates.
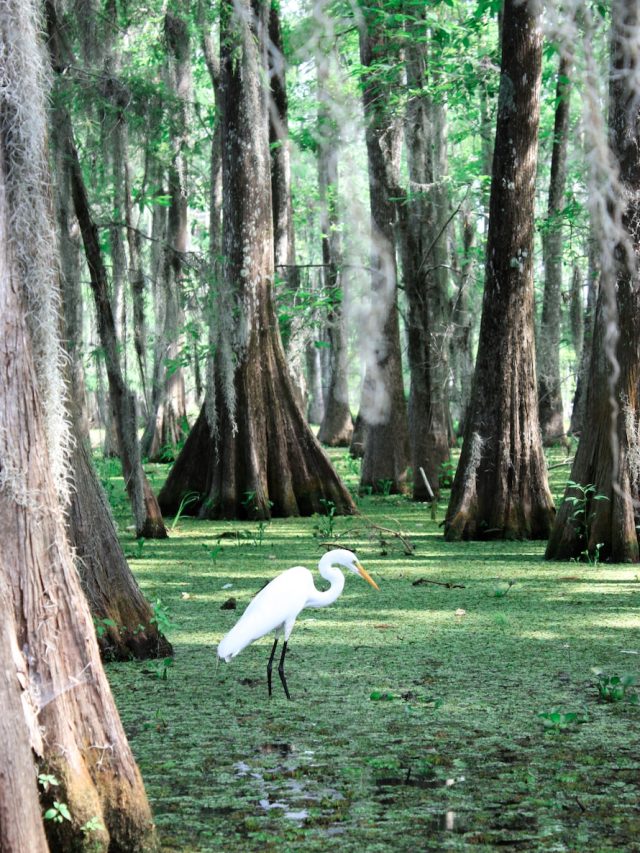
(270, 664)
(281, 670)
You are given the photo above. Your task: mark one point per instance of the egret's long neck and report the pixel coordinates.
(324, 599)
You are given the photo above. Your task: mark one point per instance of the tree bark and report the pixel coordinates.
(146, 511)
(383, 406)
(576, 312)
(136, 280)
(69, 242)
(258, 458)
(281, 202)
(423, 242)
(315, 402)
(212, 60)
(167, 423)
(21, 826)
(608, 456)
(64, 700)
(461, 350)
(111, 589)
(500, 488)
(578, 408)
(550, 407)
(336, 428)
(107, 581)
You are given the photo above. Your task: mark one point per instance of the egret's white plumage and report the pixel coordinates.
(276, 607)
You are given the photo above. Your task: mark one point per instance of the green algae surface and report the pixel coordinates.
(455, 709)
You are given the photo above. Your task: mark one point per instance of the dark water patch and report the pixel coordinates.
(280, 748)
(410, 782)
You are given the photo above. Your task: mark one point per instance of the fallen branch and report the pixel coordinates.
(448, 585)
(409, 547)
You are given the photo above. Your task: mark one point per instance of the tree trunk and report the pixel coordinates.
(114, 150)
(608, 456)
(500, 488)
(21, 826)
(423, 242)
(315, 403)
(56, 686)
(121, 613)
(258, 458)
(283, 235)
(168, 417)
(157, 268)
(461, 350)
(283, 232)
(136, 281)
(108, 584)
(336, 428)
(146, 511)
(69, 242)
(550, 408)
(383, 406)
(576, 312)
(215, 209)
(578, 408)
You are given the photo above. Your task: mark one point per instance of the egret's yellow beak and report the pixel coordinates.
(365, 574)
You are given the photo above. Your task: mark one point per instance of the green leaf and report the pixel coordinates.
(64, 811)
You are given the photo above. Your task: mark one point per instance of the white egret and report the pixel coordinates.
(277, 605)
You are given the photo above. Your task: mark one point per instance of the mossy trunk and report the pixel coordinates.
(500, 488)
(78, 736)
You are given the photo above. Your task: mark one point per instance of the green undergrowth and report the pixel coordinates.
(455, 709)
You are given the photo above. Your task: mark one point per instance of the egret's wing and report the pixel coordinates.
(280, 601)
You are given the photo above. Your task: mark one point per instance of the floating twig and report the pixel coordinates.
(448, 585)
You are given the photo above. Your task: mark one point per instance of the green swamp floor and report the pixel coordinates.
(413, 725)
